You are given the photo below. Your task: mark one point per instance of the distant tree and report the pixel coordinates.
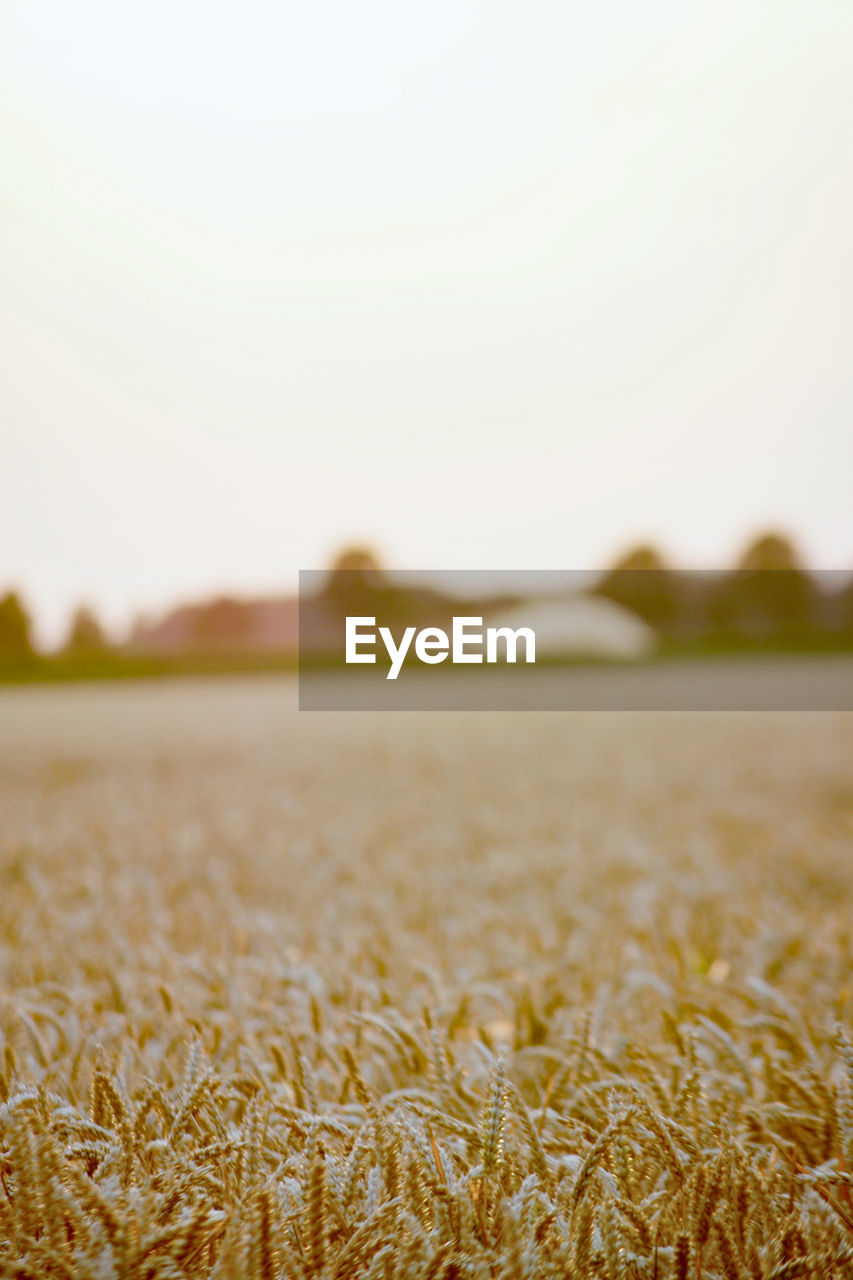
(15, 641)
(642, 581)
(357, 557)
(769, 591)
(85, 634)
(644, 557)
(357, 560)
(355, 579)
(770, 551)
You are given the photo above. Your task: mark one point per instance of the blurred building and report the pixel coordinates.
(581, 627)
(228, 626)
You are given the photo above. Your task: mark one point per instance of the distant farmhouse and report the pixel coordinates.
(582, 626)
(228, 625)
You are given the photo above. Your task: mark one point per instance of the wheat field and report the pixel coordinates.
(391, 996)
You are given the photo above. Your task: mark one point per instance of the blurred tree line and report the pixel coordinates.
(86, 637)
(767, 597)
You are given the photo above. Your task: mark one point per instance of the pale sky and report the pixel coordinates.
(486, 285)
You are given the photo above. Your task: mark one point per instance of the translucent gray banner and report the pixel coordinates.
(631, 639)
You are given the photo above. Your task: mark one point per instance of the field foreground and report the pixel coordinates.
(496, 995)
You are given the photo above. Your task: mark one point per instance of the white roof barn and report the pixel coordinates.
(581, 627)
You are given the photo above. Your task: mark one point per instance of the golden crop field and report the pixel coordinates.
(425, 995)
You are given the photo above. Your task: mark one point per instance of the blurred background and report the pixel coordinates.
(475, 285)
